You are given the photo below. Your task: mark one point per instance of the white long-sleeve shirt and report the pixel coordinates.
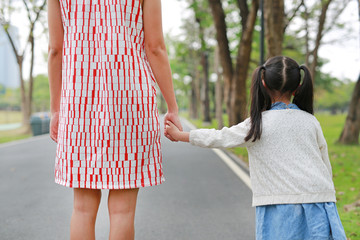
(289, 164)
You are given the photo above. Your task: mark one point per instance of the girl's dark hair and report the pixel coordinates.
(280, 74)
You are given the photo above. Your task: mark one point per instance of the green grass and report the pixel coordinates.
(345, 161)
(7, 117)
(14, 134)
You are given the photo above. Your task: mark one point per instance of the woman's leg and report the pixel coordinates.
(122, 204)
(86, 205)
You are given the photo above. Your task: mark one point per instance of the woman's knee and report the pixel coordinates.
(87, 200)
(122, 202)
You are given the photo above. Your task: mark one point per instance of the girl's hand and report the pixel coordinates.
(54, 125)
(172, 130)
(175, 133)
(173, 118)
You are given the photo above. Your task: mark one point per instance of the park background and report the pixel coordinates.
(213, 48)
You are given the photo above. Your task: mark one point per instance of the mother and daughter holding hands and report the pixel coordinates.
(105, 58)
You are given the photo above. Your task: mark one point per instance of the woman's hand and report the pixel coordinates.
(54, 125)
(175, 133)
(174, 118)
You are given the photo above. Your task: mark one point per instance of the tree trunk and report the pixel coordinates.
(205, 88)
(193, 100)
(31, 77)
(218, 91)
(244, 12)
(314, 52)
(204, 91)
(223, 44)
(274, 26)
(350, 133)
(238, 94)
(24, 101)
(307, 47)
(195, 88)
(33, 14)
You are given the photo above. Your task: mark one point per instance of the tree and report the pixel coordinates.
(34, 9)
(335, 96)
(274, 26)
(184, 60)
(219, 89)
(350, 133)
(223, 44)
(41, 102)
(319, 17)
(235, 76)
(200, 12)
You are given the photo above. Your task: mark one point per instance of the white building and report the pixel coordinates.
(9, 70)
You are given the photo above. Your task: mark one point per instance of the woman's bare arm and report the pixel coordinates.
(56, 38)
(156, 52)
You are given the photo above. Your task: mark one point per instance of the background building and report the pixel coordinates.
(9, 71)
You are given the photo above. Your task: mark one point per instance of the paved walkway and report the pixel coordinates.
(202, 199)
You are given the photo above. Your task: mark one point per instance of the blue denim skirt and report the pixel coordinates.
(312, 221)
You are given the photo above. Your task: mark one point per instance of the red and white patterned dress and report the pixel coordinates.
(109, 131)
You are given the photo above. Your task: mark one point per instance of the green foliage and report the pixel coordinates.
(2, 89)
(335, 96)
(10, 99)
(41, 94)
(183, 67)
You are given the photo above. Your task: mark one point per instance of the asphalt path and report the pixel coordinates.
(201, 199)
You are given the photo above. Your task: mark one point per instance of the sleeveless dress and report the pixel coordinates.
(109, 131)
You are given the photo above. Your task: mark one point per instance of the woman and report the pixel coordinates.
(104, 57)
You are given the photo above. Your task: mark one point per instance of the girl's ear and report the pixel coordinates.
(263, 83)
(293, 93)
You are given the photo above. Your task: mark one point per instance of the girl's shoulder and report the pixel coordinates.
(290, 116)
(289, 111)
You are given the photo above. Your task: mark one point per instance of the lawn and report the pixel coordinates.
(14, 134)
(8, 117)
(345, 161)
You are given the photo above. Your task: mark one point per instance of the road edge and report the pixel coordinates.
(22, 141)
(235, 164)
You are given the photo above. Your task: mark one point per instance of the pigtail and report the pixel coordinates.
(304, 95)
(260, 101)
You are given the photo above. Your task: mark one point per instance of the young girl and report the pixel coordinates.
(290, 169)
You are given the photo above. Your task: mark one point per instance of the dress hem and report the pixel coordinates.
(114, 186)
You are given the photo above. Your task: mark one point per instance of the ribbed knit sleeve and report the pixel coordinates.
(226, 137)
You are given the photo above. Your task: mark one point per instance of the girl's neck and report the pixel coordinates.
(284, 99)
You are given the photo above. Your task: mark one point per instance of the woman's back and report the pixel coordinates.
(109, 132)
